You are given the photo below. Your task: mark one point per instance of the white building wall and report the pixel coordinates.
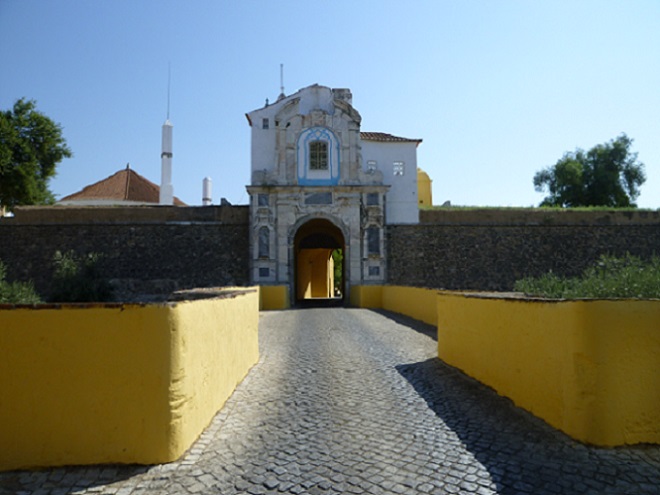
(264, 153)
(401, 200)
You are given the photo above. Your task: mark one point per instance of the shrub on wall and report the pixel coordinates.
(77, 279)
(16, 292)
(609, 277)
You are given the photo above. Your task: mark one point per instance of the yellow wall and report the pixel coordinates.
(274, 297)
(589, 368)
(314, 273)
(106, 384)
(424, 194)
(367, 296)
(417, 303)
(216, 344)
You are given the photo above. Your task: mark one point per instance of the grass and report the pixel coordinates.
(627, 277)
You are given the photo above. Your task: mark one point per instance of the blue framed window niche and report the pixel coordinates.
(318, 157)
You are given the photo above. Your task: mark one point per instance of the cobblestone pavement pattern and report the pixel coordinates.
(353, 401)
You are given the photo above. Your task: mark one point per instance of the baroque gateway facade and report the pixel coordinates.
(318, 185)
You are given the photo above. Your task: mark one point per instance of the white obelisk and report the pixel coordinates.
(166, 188)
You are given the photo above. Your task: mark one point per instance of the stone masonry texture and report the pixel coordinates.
(160, 249)
(462, 250)
(355, 401)
(143, 251)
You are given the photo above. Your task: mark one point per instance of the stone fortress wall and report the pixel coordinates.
(160, 249)
(489, 249)
(145, 250)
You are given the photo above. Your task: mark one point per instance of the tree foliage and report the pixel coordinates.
(338, 259)
(606, 175)
(31, 146)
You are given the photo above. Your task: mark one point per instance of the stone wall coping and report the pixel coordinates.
(538, 216)
(172, 300)
(177, 215)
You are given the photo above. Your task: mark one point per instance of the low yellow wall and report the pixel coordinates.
(419, 304)
(274, 297)
(589, 368)
(216, 344)
(367, 296)
(118, 383)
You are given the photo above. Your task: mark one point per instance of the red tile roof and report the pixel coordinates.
(125, 185)
(383, 137)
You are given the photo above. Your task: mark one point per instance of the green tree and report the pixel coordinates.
(338, 259)
(31, 146)
(606, 175)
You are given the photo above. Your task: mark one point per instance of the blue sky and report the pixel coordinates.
(496, 89)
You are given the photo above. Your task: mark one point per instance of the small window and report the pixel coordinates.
(373, 241)
(262, 199)
(374, 271)
(372, 166)
(372, 199)
(265, 124)
(264, 272)
(318, 155)
(398, 168)
(264, 242)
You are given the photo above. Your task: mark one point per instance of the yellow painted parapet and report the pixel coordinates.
(417, 303)
(83, 384)
(420, 304)
(367, 296)
(588, 368)
(274, 297)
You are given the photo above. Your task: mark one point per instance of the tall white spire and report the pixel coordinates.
(166, 188)
(282, 95)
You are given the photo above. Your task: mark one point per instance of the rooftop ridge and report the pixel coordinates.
(386, 138)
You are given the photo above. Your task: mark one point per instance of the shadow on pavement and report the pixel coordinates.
(67, 480)
(418, 326)
(522, 453)
(320, 302)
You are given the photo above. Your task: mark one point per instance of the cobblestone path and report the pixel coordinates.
(353, 401)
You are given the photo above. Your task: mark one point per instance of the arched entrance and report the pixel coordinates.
(319, 248)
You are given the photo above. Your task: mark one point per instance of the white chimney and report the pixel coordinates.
(206, 191)
(166, 188)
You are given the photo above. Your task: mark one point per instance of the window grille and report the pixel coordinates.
(318, 155)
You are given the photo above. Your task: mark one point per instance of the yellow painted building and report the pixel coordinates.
(424, 190)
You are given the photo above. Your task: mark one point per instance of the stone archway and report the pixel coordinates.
(313, 245)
